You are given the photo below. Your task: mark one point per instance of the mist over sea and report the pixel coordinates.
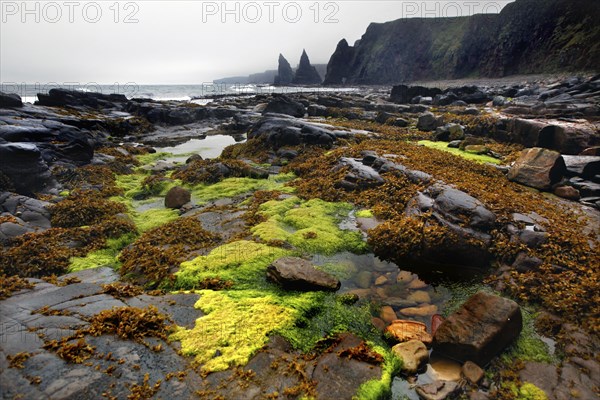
(198, 93)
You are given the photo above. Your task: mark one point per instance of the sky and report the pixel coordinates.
(186, 42)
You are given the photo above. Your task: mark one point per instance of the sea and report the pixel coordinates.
(196, 93)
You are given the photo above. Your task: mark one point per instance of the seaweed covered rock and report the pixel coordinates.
(278, 131)
(298, 274)
(480, 329)
(213, 171)
(538, 168)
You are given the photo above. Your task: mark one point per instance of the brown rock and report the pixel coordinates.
(567, 192)
(404, 276)
(404, 330)
(480, 329)
(414, 356)
(177, 197)
(436, 321)
(378, 323)
(422, 311)
(538, 168)
(419, 296)
(591, 151)
(472, 372)
(417, 284)
(388, 314)
(381, 280)
(437, 390)
(298, 274)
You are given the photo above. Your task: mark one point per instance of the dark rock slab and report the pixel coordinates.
(22, 163)
(10, 100)
(480, 329)
(284, 105)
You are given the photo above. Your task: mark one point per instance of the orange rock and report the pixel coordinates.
(421, 311)
(405, 330)
(417, 284)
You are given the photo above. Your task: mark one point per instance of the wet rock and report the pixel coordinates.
(436, 321)
(419, 296)
(22, 163)
(10, 100)
(360, 176)
(363, 279)
(176, 197)
(567, 192)
(542, 375)
(388, 314)
(381, 280)
(455, 144)
(316, 110)
(499, 101)
(480, 329)
(449, 132)
(404, 331)
(472, 372)
(533, 239)
(428, 122)
(584, 166)
(404, 94)
(64, 97)
(526, 263)
(193, 157)
(284, 105)
(438, 390)
(279, 132)
(414, 356)
(298, 274)
(538, 168)
(421, 311)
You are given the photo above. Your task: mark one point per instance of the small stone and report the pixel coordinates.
(177, 197)
(404, 331)
(298, 274)
(363, 279)
(567, 192)
(420, 296)
(381, 280)
(417, 284)
(388, 314)
(472, 372)
(378, 323)
(422, 311)
(404, 276)
(437, 390)
(414, 356)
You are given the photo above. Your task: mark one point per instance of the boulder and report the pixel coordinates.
(538, 168)
(22, 163)
(414, 356)
(404, 94)
(359, 176)
(567, 192)
(405, 330)
(65, 97)
(298, 274)
(449, 132)
(586, 167)
(480, 329)
(281, 104)
(428, 122)
(10, 100)
(177, 197)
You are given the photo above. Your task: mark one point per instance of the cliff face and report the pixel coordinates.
(528, 36)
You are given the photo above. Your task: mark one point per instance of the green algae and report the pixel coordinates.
(150, 158)
(528, 346)
(527, 391)
(232, 330)
(144, 221)
(243, 262)
(364, 214)
(342, 270)
(380, 389)
(443, 146)
(310, 226)
(106, 257)
(232, 187)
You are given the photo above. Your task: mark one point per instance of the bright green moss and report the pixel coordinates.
(443, 146)
(243, 262)
(310, 226)
(232, 329)
(106, 257)
(131, 184)
(381, 389)
(364, 214)
(342, 270)
(153, 218)
(528, 391)
(152, 157)
(528, 346)
(232, 187)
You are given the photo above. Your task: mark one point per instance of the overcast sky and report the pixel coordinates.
(186, 41)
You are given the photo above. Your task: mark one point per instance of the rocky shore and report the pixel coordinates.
(417, 241)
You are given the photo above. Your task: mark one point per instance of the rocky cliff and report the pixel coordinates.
(306, 74)
(528, 36)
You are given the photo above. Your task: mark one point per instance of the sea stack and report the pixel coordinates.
(306, 74)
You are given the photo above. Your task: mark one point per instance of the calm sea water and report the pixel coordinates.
(200, 93)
